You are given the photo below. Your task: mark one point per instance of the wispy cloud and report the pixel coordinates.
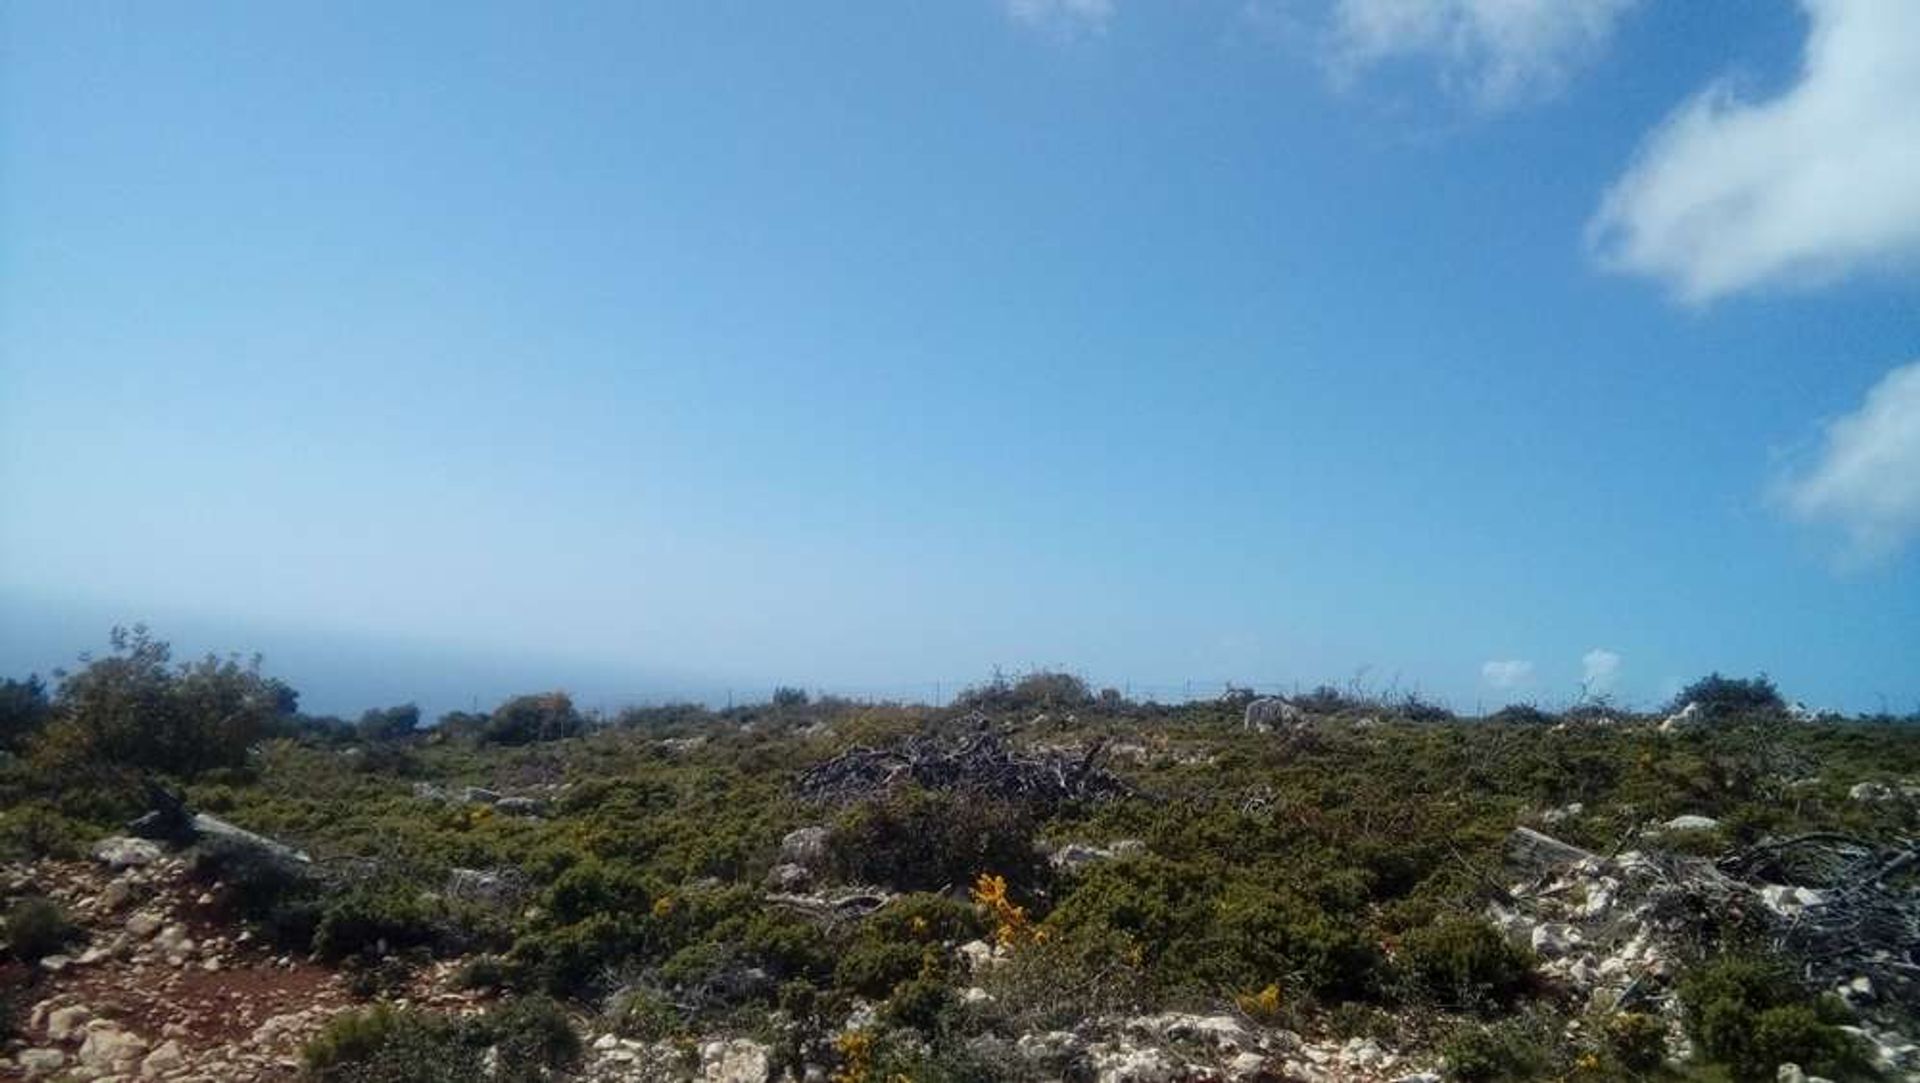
(1866, 476)
(1818, 182)
(1507, 673)
(1071, 17)
(1494, 52)
(1598, 668)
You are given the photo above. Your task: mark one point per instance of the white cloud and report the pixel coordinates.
(1064, 16)
(1819, 181)
(1496, 52)
(1598, 668)
(1507, 674)
(1866, 478)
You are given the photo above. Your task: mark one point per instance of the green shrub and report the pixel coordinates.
(1636, 1041)
(1260, 934)
(575, 958)
(24, 710)
(135, 708)
(1506, 1051)
(924, 917)
(376, 918)
(254, 885)
(382, 1045)
(523, 720)
(1729, 697)
(920, 841)
(647, 1016)
(531, 1036)
(873, 967)
(482, 972)
(37, 928)
(1467, 962)
(920, 1004)
(1751, 1016)
(32, 831)
(593, 888)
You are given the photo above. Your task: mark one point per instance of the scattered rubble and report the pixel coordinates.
(1074, 855)
(1614, 929)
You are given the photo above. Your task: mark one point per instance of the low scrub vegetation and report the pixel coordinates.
(623, 867)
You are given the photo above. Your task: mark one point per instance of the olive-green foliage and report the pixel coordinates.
(134, 708)
(37, 928)
(1467, 963)
(1730, 697)
(1510, 1051)
(921, 1004)
(1196, 927)
(1750, 1015)
(920, 841)
(1636, 1041)
(24, 710)
(548, 716)
(36, 829)
(280, 896)
(873, 967)
(367, 916)
(1318, 867)
(1038, 690)
(484, 972)
(531, 1037)
(645, 1015)
(389, 724)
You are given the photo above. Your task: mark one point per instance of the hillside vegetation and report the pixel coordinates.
(1036, 882)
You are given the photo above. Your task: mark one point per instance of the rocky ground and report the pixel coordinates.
(163, 990)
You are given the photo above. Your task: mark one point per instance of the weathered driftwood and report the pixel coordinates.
(830, 909)
(172, 821)
(980, 763)
(1532, 850)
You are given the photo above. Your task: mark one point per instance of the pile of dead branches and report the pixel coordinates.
(982, 764)
(1862, 916)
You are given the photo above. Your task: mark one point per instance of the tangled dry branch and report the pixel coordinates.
(981, 763)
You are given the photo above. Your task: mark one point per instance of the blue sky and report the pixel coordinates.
(1480, 348)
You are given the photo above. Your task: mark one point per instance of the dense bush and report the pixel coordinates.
(548, 716)
(134, 708)
(1039, 690)
(24, 710)
(920, 841)
(1750, 1015)
(374, 918)
(1467, 963)
(1729, 697)
(37, 928)
(1511, 1051)
(1637, 1042)
(36, 829)
(389, 724)
(530, 1038)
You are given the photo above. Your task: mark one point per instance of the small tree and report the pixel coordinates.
(390, 724)
(547, 716)
(24, 710)
(135, 708)
(1729, 697)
